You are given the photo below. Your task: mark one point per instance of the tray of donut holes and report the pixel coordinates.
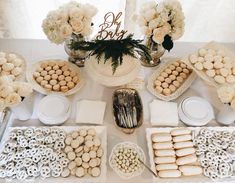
(55, 76)
(172, 154)
(214, 63)
(171, 79)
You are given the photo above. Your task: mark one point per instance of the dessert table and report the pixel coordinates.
(35, 50)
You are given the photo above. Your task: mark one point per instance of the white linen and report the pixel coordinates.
(163, 113)
(90, 112)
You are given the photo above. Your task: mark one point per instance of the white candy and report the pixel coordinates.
(200, 59)
(198, 66)
(193, 58)
(208, 65)
(202, 52)
(219, 79)
(210, 73)
(209, 57)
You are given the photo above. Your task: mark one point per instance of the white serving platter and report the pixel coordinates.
(186, 84)
(40, 89)
(215, 46)
(182, 179)
(102, 134)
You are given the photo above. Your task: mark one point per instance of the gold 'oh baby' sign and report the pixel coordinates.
(110, 27)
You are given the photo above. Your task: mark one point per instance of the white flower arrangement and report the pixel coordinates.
(158, 20)
(226, 95)
(70, 18)
(12, 93)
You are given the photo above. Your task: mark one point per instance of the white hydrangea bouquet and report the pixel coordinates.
(12, 93)
(226, 95)
(71, 18)
(163, 22)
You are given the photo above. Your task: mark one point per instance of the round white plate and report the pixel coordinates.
(54, 109)
(40, 89)
(195, 111)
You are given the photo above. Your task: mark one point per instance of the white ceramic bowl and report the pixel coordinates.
(136, 148)
(54, 109)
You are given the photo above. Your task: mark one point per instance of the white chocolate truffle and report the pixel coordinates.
(157, 83)
(168, 80)
(200, 59)
(56, 87)
(173, 77)
(210, 73)
(160, 78)
(176, 84)
(209, 57)
(224, 72)
(168, 71)
(218, 65)
(165, 85)
(43, 73)
(48, 68)
(159, 89)
(39, 79)
(171, 67)
(16, 71)
(164, 74)
(51, 72)
(47, 77)
(208, 65)
(217, 58)
(175, 73)
(166, 91)
(202, 52)
(230, 79)
(198, 66)
(7, 66)
(172, 88)
(59, 72)
(179, 69)
(43, 82)
(193, 58)
(219, 79)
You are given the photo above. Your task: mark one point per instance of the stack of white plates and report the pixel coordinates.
(54, 109)
(195, 111)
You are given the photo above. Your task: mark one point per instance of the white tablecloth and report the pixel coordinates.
(35, 50)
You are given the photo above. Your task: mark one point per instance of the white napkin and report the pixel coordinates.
(163, 113)
(90, 112)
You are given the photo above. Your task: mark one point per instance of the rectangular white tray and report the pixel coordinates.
(202, 74)
(102, 134)
(182, 179)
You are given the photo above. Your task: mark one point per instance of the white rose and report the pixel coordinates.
(23, 89)
(154, 23)
(12, 99)
(5, 90)
(150, 14)
(225, 94)
(158, 36)
(66, 30)
(77, 25)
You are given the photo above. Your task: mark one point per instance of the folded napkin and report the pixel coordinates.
(90, 112)
(163, 113)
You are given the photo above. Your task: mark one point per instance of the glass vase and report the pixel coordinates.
(156, 52)
(77, 57)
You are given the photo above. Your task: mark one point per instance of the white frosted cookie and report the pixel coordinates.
(71, 155)
(80, 172)
(85, 157)
(95, 172)
(210, 73)
(65, 172)
(219, 79)
(198, 66)
(72, 165)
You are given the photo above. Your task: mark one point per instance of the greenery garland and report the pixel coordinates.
(113, 49)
